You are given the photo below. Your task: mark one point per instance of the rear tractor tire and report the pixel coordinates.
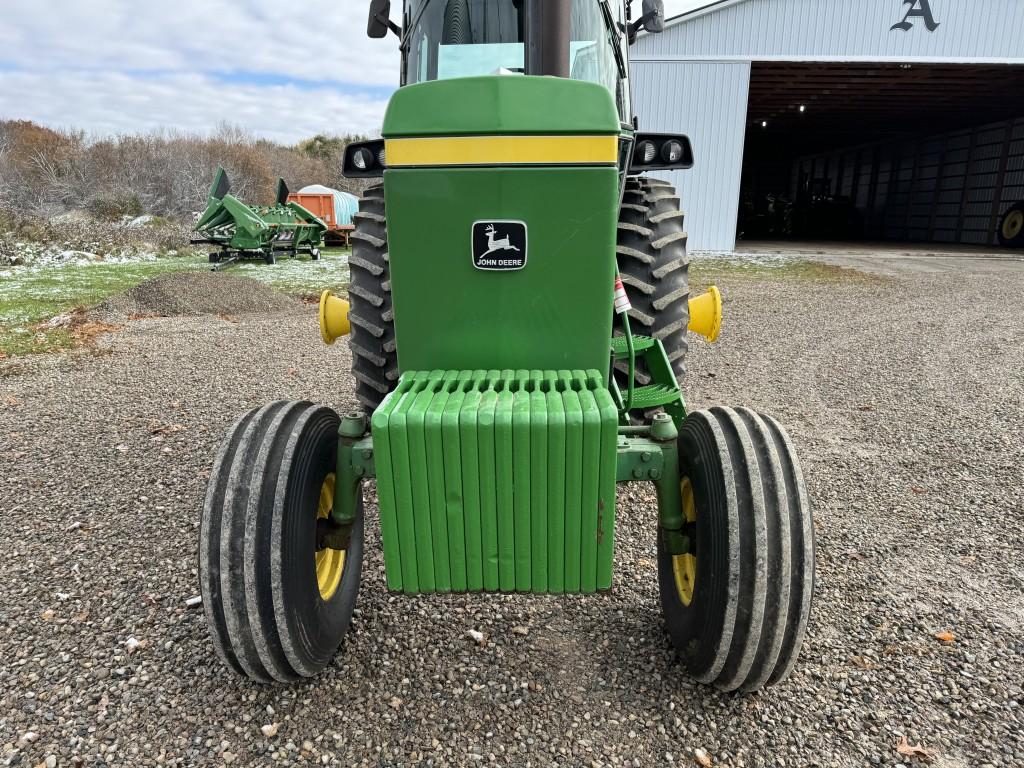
(372, 338)
(1011, 227)
(737, 608)
(277, 607)
(651, 255)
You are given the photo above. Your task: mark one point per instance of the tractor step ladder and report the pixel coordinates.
(663, 391)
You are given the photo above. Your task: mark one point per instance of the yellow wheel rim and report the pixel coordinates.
(329, 562)
(684, 567)
(1013, 225)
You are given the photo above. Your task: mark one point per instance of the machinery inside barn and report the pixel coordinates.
(904, 152)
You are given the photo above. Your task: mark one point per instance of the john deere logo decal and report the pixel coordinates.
(499, 245)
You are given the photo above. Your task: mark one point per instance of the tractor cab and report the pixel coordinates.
(465, 38)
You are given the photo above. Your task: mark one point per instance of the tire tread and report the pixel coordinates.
(259, 480)
(755, 552)
(651, 255)
(372, 339)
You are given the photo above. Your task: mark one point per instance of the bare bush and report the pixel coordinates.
(46, 172)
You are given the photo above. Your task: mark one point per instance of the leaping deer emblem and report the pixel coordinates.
(494, 244)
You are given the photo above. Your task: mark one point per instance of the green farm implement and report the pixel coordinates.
(518, 327)
(241, 231)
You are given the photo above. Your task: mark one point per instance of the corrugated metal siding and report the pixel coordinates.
(848, 29)
(708, 102)
(949, 188)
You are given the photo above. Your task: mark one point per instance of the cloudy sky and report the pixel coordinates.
(278, 69)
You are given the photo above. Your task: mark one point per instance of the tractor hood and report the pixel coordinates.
(501, 197)
(501, 104)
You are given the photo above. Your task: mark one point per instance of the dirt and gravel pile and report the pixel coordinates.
(903, 396)
(194, 293)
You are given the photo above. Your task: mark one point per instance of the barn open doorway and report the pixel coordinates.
(926, 153)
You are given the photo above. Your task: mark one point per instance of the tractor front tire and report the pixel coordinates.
(651, 255)
(277, 607)
(737, 608)
(372, 339)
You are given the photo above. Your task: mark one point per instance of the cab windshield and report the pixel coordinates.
(461, 38)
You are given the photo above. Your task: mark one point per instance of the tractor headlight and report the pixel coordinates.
(645, 151)
(662, 152)
(363, 160)
(671, 151)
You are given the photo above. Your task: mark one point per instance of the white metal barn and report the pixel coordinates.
(893, 120)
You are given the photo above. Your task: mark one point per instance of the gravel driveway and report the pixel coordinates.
(903, 393)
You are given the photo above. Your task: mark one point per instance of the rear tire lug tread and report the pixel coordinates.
(634, 228)
(374, 269)
(366, 325)
(370, 381)
(363, 293)
(654, 268)
(646, 288)
(668, 269)
(672, 237)
(633, 253)
(377, 360)
(676, 296)
(370, 296)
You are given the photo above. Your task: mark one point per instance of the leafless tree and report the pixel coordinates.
(166, 173)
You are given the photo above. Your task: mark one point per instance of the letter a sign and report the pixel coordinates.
(919, 9)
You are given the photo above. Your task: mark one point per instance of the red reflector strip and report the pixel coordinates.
(622, 305)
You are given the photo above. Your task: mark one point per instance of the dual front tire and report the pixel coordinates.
(277, 607)
(736, 608)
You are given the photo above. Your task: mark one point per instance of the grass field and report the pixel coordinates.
(29, 297)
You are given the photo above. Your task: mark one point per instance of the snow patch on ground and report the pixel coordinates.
(35, 256)
(745, 259)
(139, 221)
(298, 274)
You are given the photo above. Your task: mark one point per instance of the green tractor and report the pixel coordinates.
(519, 310)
